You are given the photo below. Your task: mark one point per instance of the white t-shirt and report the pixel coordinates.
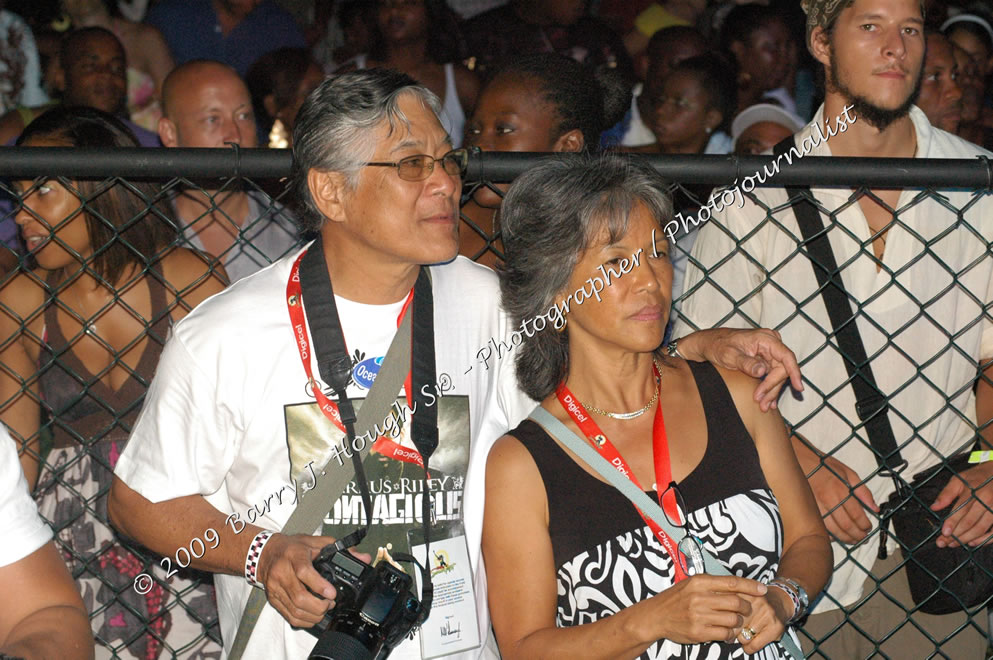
(216, 417)
(929, 298)
(25, 531)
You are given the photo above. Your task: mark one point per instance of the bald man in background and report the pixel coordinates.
(206, 104)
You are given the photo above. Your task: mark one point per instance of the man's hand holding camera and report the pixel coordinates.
(286, 568)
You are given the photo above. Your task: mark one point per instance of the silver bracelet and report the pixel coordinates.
(801, 594)
(793, 599)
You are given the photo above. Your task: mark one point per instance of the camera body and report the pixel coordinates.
(374, 610)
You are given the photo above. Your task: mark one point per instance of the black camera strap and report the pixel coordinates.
(335, 368)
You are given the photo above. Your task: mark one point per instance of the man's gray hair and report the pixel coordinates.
(335, 127)
(551, 215)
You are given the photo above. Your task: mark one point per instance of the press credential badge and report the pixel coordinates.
(452, 626)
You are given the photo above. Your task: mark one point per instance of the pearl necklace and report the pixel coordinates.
(636, 413)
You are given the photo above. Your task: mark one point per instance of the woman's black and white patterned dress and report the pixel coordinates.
(607, 558)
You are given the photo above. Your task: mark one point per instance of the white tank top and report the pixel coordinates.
(453, 116)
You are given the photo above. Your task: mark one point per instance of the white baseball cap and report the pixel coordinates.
(760, 112)
(966, 17)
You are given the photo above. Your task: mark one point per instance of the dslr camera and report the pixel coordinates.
(375, 608)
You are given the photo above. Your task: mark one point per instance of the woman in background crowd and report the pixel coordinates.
(545, 102)
(149, 59)
(599, 583)
(696, 100)
(279, 82)
(972, 33)
(973, 89)
(692, 114)
(761, 43)
(421, 38)
(81, 335)
(347, 34)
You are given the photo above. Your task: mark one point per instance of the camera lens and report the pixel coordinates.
(340, 646)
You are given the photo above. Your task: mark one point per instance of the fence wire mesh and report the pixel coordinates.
(82, 321)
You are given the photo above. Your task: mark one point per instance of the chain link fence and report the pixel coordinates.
(74, 366)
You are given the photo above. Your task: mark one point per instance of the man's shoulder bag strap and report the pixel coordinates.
(871, 404)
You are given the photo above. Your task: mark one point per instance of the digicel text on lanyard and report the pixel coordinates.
(383, 445)
(660, 452)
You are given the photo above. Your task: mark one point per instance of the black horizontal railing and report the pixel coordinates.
(503, 167)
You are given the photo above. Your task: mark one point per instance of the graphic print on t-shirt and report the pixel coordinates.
(396, 486)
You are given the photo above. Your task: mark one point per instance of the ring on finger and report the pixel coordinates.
(747, 634)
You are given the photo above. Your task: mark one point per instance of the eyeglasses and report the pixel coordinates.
(690, 547)
(420, 167)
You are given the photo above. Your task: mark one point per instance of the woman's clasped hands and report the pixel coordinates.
(767, 622)
(719, 608)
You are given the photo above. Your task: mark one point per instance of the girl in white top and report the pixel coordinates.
(421, 38)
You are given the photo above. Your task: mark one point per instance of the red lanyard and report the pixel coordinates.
(383, 445)
(660, 453)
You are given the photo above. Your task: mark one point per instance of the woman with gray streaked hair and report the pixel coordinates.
(585, 252)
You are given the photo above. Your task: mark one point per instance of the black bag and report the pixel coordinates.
(942, 580)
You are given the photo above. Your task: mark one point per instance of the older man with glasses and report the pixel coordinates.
(236, 425)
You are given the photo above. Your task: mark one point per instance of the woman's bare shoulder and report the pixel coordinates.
(510, 465)
(23, 293)
(508, 454)
(742, 389)
(515, 490)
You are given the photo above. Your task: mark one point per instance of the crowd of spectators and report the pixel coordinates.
(85, 316)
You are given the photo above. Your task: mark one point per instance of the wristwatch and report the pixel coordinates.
(796, 593)
(802, 595)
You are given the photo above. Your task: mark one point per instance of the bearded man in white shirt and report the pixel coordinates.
(220, 431)
(920, 282)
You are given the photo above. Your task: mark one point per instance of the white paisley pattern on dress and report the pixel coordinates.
(745, 532)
